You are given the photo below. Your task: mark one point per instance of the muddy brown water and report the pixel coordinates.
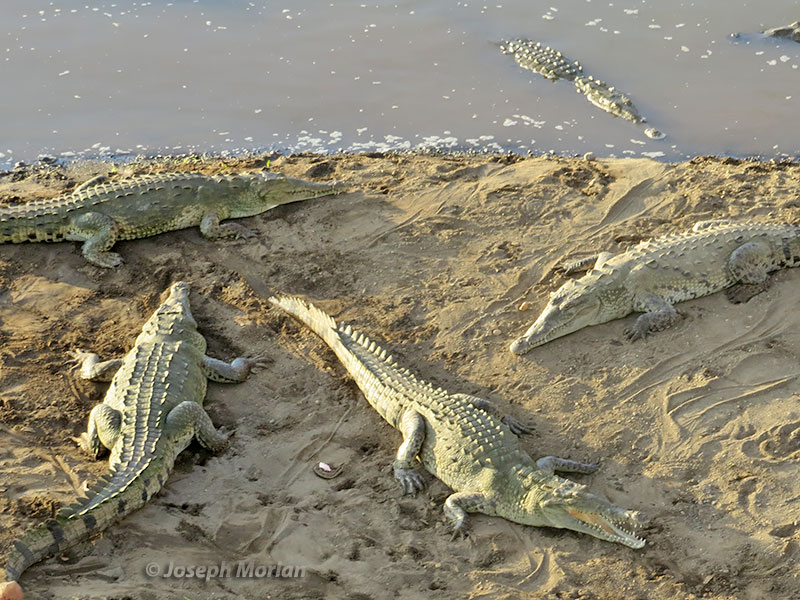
(120, 78)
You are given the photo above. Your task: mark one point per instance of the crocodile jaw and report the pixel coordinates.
(273, 190)
(619, 529)
(595, 298)
(554, 323)
(572, 506)
(174, 314)
(177, 303)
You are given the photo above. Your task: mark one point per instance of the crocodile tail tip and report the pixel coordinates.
(10, 590)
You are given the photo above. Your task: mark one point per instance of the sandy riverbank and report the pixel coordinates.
(698, 426)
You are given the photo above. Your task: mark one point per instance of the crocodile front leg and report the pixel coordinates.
(235, 371)
(212, 229)
(516, 426)
(189, 418)
(99, 234)
(412, 426)
(748, 266)
(459, 504)
(584, 264)
(659, 315)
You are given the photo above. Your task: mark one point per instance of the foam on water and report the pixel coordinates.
(120, 78)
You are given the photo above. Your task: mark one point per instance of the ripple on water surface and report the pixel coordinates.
(140, 77)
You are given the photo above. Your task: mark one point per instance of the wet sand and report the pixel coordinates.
(432, 255)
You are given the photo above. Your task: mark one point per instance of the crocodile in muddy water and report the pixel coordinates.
(550, 63)
(786, 32)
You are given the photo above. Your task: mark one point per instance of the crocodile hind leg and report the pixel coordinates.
(550, 464)
(748, 266)
(412, 426)
(189, 418)
(459, 504)
(104, 421)
(235, 371)
(212, 229)
(99, 233)
(516, 426)
(102, 431)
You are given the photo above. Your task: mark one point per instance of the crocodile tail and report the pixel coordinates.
(383, 382)
(362, 358)
(317, 320)
(60, 533)
(30, 224)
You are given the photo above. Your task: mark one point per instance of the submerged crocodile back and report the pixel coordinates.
(541, 59)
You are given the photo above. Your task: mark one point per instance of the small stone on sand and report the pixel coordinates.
(10, 591)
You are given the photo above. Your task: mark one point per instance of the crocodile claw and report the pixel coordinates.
(516, 426)
(411, 480)
(635, 333)
(78, 356)
(258, 362)
(92, 447)
(107, 260)
(460, 531)
(244, 233)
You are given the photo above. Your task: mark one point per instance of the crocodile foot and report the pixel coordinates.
(460, 530)
(92, 447)
(107, 260)
(742, 292)
(516, 426)
(650, 322)
(636, 332)
(411, 480)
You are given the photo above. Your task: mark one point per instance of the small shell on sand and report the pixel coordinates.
(10, 591)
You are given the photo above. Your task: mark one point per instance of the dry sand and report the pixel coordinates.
(697, 426)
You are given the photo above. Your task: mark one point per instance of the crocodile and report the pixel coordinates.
(465, 442)
(151, 412)
(552, 64)
(785, 32)
(655, 274)
(100, 213)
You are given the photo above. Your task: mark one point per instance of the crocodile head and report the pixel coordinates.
(174, 315)
(570, 505)
(593, 299)
(269, 190)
